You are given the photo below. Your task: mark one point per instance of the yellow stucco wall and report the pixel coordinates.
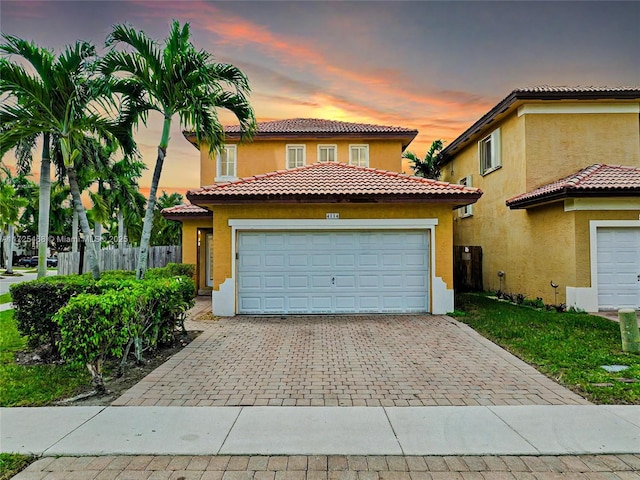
(262, 156)
(558, 145)
(545, 243)
(222, 241)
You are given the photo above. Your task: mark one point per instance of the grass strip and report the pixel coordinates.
(12, 463)
(33, 385)
(570, 348)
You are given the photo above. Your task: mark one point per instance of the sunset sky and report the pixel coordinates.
(433, 66)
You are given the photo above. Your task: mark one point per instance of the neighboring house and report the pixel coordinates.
(560, 172)
(310, 218)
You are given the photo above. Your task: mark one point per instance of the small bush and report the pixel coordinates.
(92, 328)
(36, 302)
(171, 270)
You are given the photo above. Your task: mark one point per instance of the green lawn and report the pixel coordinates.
(11, 464)
(32, 385)
(568, 347)
(5, 298)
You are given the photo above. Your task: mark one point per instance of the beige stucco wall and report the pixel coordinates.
(545, 243)
(558, 145)
(263, 156)
(222, 241)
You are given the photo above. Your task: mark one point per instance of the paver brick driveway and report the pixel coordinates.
(376, 360)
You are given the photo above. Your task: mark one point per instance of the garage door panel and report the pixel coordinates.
(272, 303)
(274, 260)
(333, 272)
(320, 260)
(298, 281)
(274, 282)
(345, 260)
(618, 267)
(251, 282)
(298, 260)
(345, 281)
(321, 281)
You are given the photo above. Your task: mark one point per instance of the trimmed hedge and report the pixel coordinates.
(37, 301)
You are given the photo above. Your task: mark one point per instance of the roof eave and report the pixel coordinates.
(453, 199)
(572, 193)
(187, 216)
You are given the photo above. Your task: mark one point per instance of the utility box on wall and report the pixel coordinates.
(467, 268)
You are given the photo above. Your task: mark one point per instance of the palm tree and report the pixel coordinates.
(125, 198)
(10, 205)
(41, 85)
(429, 167)
(61, 103)
(166, 232)
(176, 80)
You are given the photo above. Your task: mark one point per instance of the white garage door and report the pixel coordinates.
(333, 272)
(618, 268)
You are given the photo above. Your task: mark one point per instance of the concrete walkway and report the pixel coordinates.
(491, 430)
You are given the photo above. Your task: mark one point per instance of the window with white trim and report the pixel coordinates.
(489, 150)
(327, 153)
(359, 155)
(467, 210)
(226, 163)
(295, 156)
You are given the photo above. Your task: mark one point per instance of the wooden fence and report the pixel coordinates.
(120, 259)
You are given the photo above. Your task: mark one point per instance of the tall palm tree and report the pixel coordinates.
(41, 85)
(176, 80)
(64, 108)
(10, 205)
(429, 167)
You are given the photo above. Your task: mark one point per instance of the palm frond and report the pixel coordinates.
(141, 44)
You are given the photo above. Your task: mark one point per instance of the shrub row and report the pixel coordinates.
(36, 302)
(138, 314)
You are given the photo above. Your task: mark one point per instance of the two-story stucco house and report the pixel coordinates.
(310, 217)
(560, 172)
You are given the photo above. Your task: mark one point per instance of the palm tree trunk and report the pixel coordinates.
(10, 250)
(121, 230)
(44, 205)
(2, 262)
(97, 233)
(84, 222)
(74, 231)
(151, 203)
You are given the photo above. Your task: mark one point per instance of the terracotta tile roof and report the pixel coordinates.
(317, 128)
(185, 211)
(596, 180)
(537, 93)
(316, 125)
(577, 89)
(333, 181)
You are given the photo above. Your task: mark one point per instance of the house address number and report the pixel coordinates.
(332, 216)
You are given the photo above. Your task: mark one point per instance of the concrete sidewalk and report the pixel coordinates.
(492, 430)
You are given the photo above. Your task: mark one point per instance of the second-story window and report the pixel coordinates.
(327, 153)
(467, 210)
(295, 156)
(489, 149)
(359, 155)
(226, 167)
